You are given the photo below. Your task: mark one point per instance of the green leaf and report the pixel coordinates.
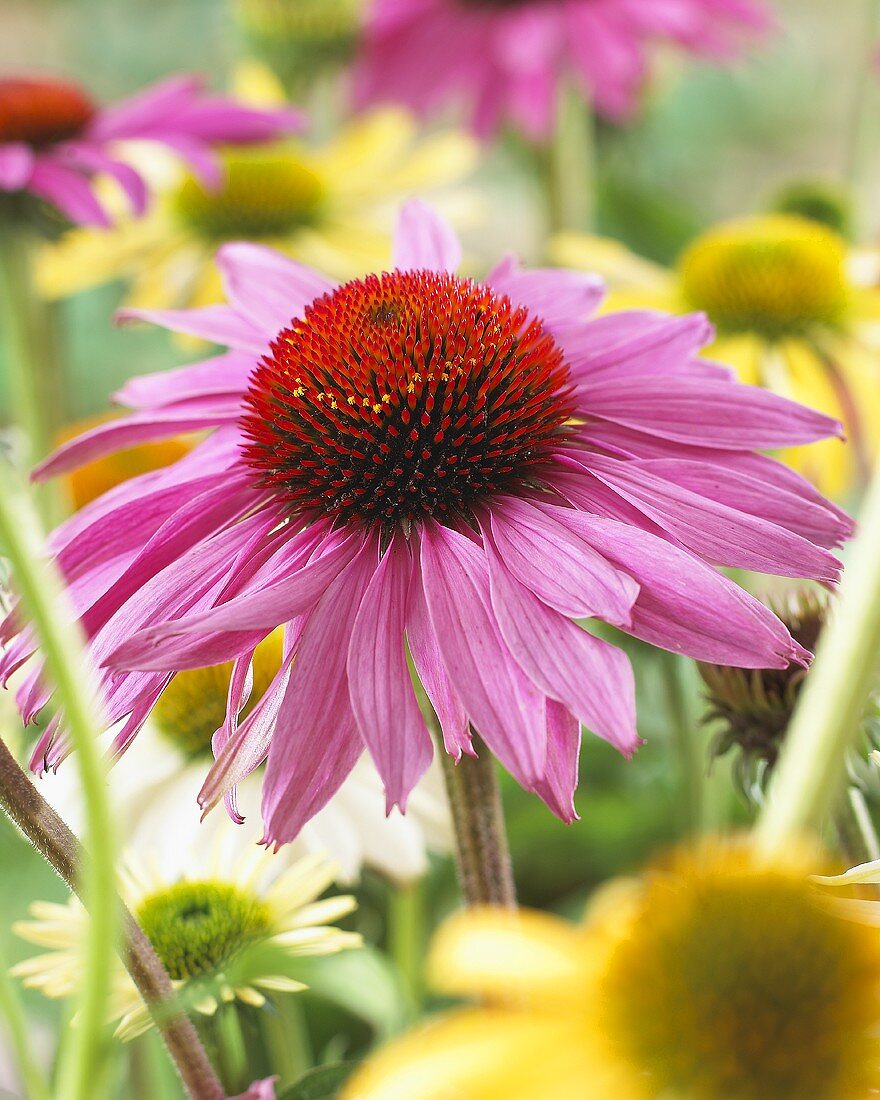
(363, 982)
(321, 1083)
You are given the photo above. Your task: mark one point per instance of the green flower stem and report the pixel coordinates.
(482, 853)
(32, 355)
(11, 1010)
(287, 1039)
(861, 118)
(42, 826)
(855, 829)
(687, 743)
(570, 166)
(809, 777)
(232, 1049)
(406, 937)
(48, 609)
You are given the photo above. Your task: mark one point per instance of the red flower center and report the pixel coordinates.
(403, 396)
(41, 112)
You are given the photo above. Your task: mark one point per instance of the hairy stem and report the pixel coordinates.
(569, 173)
(42, 826)
(482, 854)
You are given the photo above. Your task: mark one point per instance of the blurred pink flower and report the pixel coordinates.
(419, 461)
(504, 58)
(54, 140)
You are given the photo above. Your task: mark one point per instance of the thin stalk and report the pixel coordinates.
(287, 1040)
(406, 937)
(482, 854)
(27, 329)
(61, 645)
(41, 825)
(232, 1049)
(12, 1011)
(861, 119)
(570, 166)
(855, 829)
(686, 740)
(808, 779)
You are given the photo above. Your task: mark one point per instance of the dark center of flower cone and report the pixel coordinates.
(403, 396)
(41, 112)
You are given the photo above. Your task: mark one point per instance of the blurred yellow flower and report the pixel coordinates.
(329, 205)
(714, 975)
(791, 313)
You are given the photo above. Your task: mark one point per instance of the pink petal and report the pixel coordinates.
(67, 189)
(556, 296)
(720, 534)
(423, 241)
(316, 741)
(266, 287)
(708, 413)
(560, 568)
(504, 706)
(16, 165)
(590, 677)
(560, 779)
(222, 376)
(685, 605)
(219, 324)
(429, 665)
(382, 695)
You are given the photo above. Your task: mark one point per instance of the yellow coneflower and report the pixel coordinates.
(229, 930)
(790, 313)
(713, 975)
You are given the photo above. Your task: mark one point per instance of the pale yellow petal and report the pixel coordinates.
(618, 266)
(507, 957)
(488, 1055)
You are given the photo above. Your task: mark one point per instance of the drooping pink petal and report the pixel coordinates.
(506, 709)
(316, 741)
(432, 674)
(560, 568)
(720, 534)
(685, 605)
(590, 677)
(382, 695)
(139, 428)
(223, 375)
(559, 782)
(67, 189)
(423, 241)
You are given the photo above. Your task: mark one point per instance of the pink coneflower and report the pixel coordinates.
(504, 58)
(54, 140)
(417, 464)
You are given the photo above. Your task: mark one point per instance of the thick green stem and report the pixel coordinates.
(41, 825)
(570, 166)
(61, 645)
(482, 854)
(808, 779)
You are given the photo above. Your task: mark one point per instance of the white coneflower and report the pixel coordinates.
(229, 930)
